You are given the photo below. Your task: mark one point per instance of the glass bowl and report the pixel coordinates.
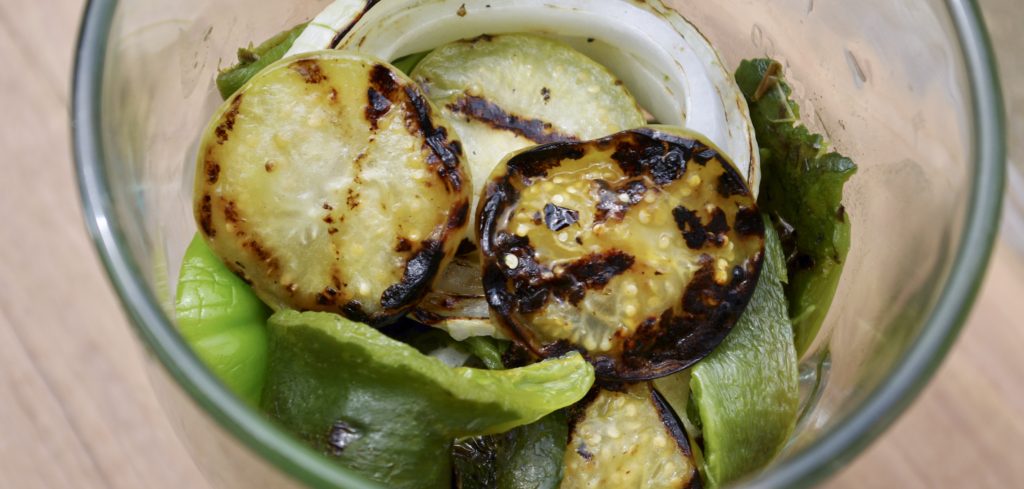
(907, 89)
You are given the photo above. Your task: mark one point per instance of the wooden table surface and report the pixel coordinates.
(76, 410)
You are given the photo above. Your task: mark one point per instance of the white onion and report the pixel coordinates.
(668, 65)
(327, 25)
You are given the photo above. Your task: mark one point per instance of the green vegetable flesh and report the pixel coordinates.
(382, 408)
(527, 457)
(802, 189)
(408, 62)
(223, 321)
(252, 60)
(531, 455)
(488, 350)
(330, 183)
(746, 391)
(628, 437)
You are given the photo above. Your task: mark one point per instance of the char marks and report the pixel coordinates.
(310, 71)
(696, 233)
(485, 111)
(206, 216)
(445, 153)
(423, 266)
(615, 201)
(224, 129)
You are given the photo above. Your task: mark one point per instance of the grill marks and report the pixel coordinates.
(212, 170)
(310, 71)
(748, 222)
(678, 339)
(445, 154)
(424, 265)
(536, 162)
(342, 33)
(641, 154)
(205, 215)
(378, 107)
(488, 112)
(223, 131)
(615, 201)
(380, 95)
(532, 283)
(696, 233)
(558, 218)
(592, 272)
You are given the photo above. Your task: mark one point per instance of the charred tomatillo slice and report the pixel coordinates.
(746, 392)
(628, 437)
(640, 249)
(222, 320)
(507, 92)
(329, 183)
(380, 407)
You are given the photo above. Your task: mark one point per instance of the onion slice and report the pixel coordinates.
(327, 28)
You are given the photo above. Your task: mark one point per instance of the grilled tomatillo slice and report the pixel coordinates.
(383, 409)
(507, 92)
(640, 249)
(628, 438)
(329, 183)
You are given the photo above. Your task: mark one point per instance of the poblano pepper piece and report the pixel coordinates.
(382, 408)
(745, 392)
(408, 62)
(252, 60)
(526, 457)
(802, 189)
(223, 321)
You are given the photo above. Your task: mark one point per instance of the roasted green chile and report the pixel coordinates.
(223, 321)
(526, 457)
(253, 59)
(745, 393)
(382, 408)
(802, 190)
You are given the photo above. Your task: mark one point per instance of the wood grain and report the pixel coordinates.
(76, 410)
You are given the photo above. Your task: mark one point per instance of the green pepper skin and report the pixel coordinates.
(802, 189)
(252, 60)
(380, 407)
(223, 321)
(408, 62)
(746, 391)
(527, 457)
(531, 455)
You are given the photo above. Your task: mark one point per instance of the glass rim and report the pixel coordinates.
(803, 468)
